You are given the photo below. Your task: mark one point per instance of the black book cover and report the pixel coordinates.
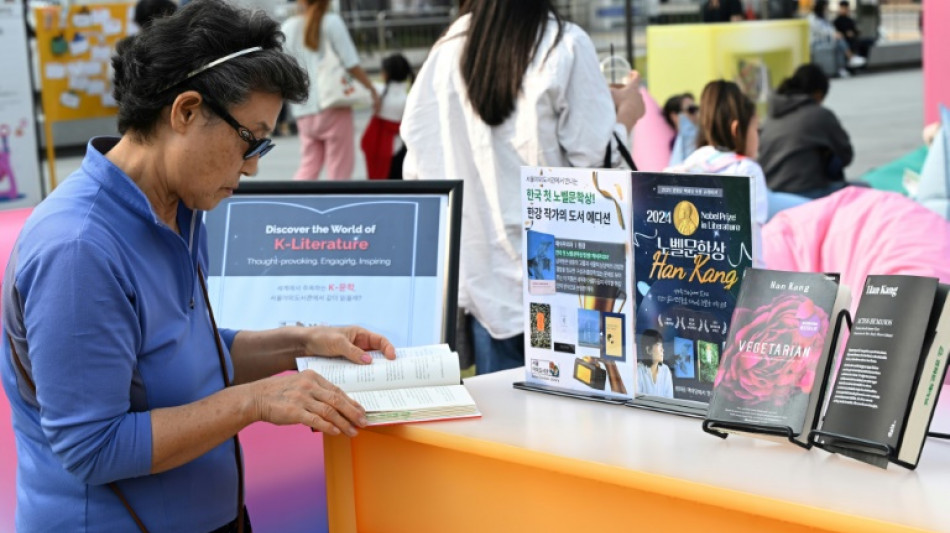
(781, 329)
(878, 369)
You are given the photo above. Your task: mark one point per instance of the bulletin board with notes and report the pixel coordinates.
(75, 47)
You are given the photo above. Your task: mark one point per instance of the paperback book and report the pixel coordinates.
(771, 379)
(891, 372)
(423, 383)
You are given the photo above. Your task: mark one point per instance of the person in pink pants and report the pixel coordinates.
(326, 138)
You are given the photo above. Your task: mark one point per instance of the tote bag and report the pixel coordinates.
(335, 86)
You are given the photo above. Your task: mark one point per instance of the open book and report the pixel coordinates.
(422, 383)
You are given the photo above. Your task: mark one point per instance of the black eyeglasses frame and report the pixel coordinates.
(256, 147)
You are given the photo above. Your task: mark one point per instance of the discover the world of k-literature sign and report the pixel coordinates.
(329, 260)
(577, 265)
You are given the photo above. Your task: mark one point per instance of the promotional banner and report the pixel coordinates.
(19, 161)
(577, 263)
(375, 261)
(692, 242)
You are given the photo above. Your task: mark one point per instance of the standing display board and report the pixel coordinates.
(383, 255)
(630, 280)
(75, 47)
(19, 164)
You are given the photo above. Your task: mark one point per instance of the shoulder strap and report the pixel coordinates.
(227, 383)
(624, 153)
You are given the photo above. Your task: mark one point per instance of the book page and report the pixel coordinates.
(413, 367)
(928, 387)
(414, 399)
(304, 363)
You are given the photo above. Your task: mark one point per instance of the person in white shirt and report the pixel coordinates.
(383, 127)
(509, 84)
(326, 133)
(653, 375)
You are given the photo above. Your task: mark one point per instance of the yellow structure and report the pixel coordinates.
(757, 55)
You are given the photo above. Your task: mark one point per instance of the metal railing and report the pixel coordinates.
(379, 31)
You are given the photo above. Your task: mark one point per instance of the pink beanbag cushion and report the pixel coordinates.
(859, 231)
(651, 137)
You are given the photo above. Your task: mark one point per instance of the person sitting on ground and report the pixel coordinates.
(681, 113)
(728, 141)
(823, 32)
(848, 29)
(804, 149)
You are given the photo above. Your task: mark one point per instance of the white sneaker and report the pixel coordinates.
(857, 62)
(842, 73)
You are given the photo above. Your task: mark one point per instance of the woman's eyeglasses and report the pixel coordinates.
(257, 147)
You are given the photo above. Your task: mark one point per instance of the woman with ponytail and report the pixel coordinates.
(326, 133)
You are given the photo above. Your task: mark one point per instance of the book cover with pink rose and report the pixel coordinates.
(771, 376)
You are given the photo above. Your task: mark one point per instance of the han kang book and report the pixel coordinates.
(771, 378)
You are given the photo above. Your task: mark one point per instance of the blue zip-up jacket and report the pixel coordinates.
(104, 307)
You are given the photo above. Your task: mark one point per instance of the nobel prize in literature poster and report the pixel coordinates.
(577, 267)
(692, 240)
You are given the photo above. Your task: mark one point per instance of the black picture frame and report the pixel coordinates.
(451, 189)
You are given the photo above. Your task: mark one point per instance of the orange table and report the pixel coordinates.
(536, 462)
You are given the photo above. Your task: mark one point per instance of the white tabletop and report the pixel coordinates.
(676, 447)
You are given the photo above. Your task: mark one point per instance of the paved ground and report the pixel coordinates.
(882, 111)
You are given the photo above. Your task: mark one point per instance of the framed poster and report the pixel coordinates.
(380, 254)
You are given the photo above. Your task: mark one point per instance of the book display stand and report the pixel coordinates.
(722, 428)
(557, 391)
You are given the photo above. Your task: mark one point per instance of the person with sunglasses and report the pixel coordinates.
(126, 398)
(681, 113)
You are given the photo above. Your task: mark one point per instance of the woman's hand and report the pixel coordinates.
(351, 342)
(306, 398)
(628, 100)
